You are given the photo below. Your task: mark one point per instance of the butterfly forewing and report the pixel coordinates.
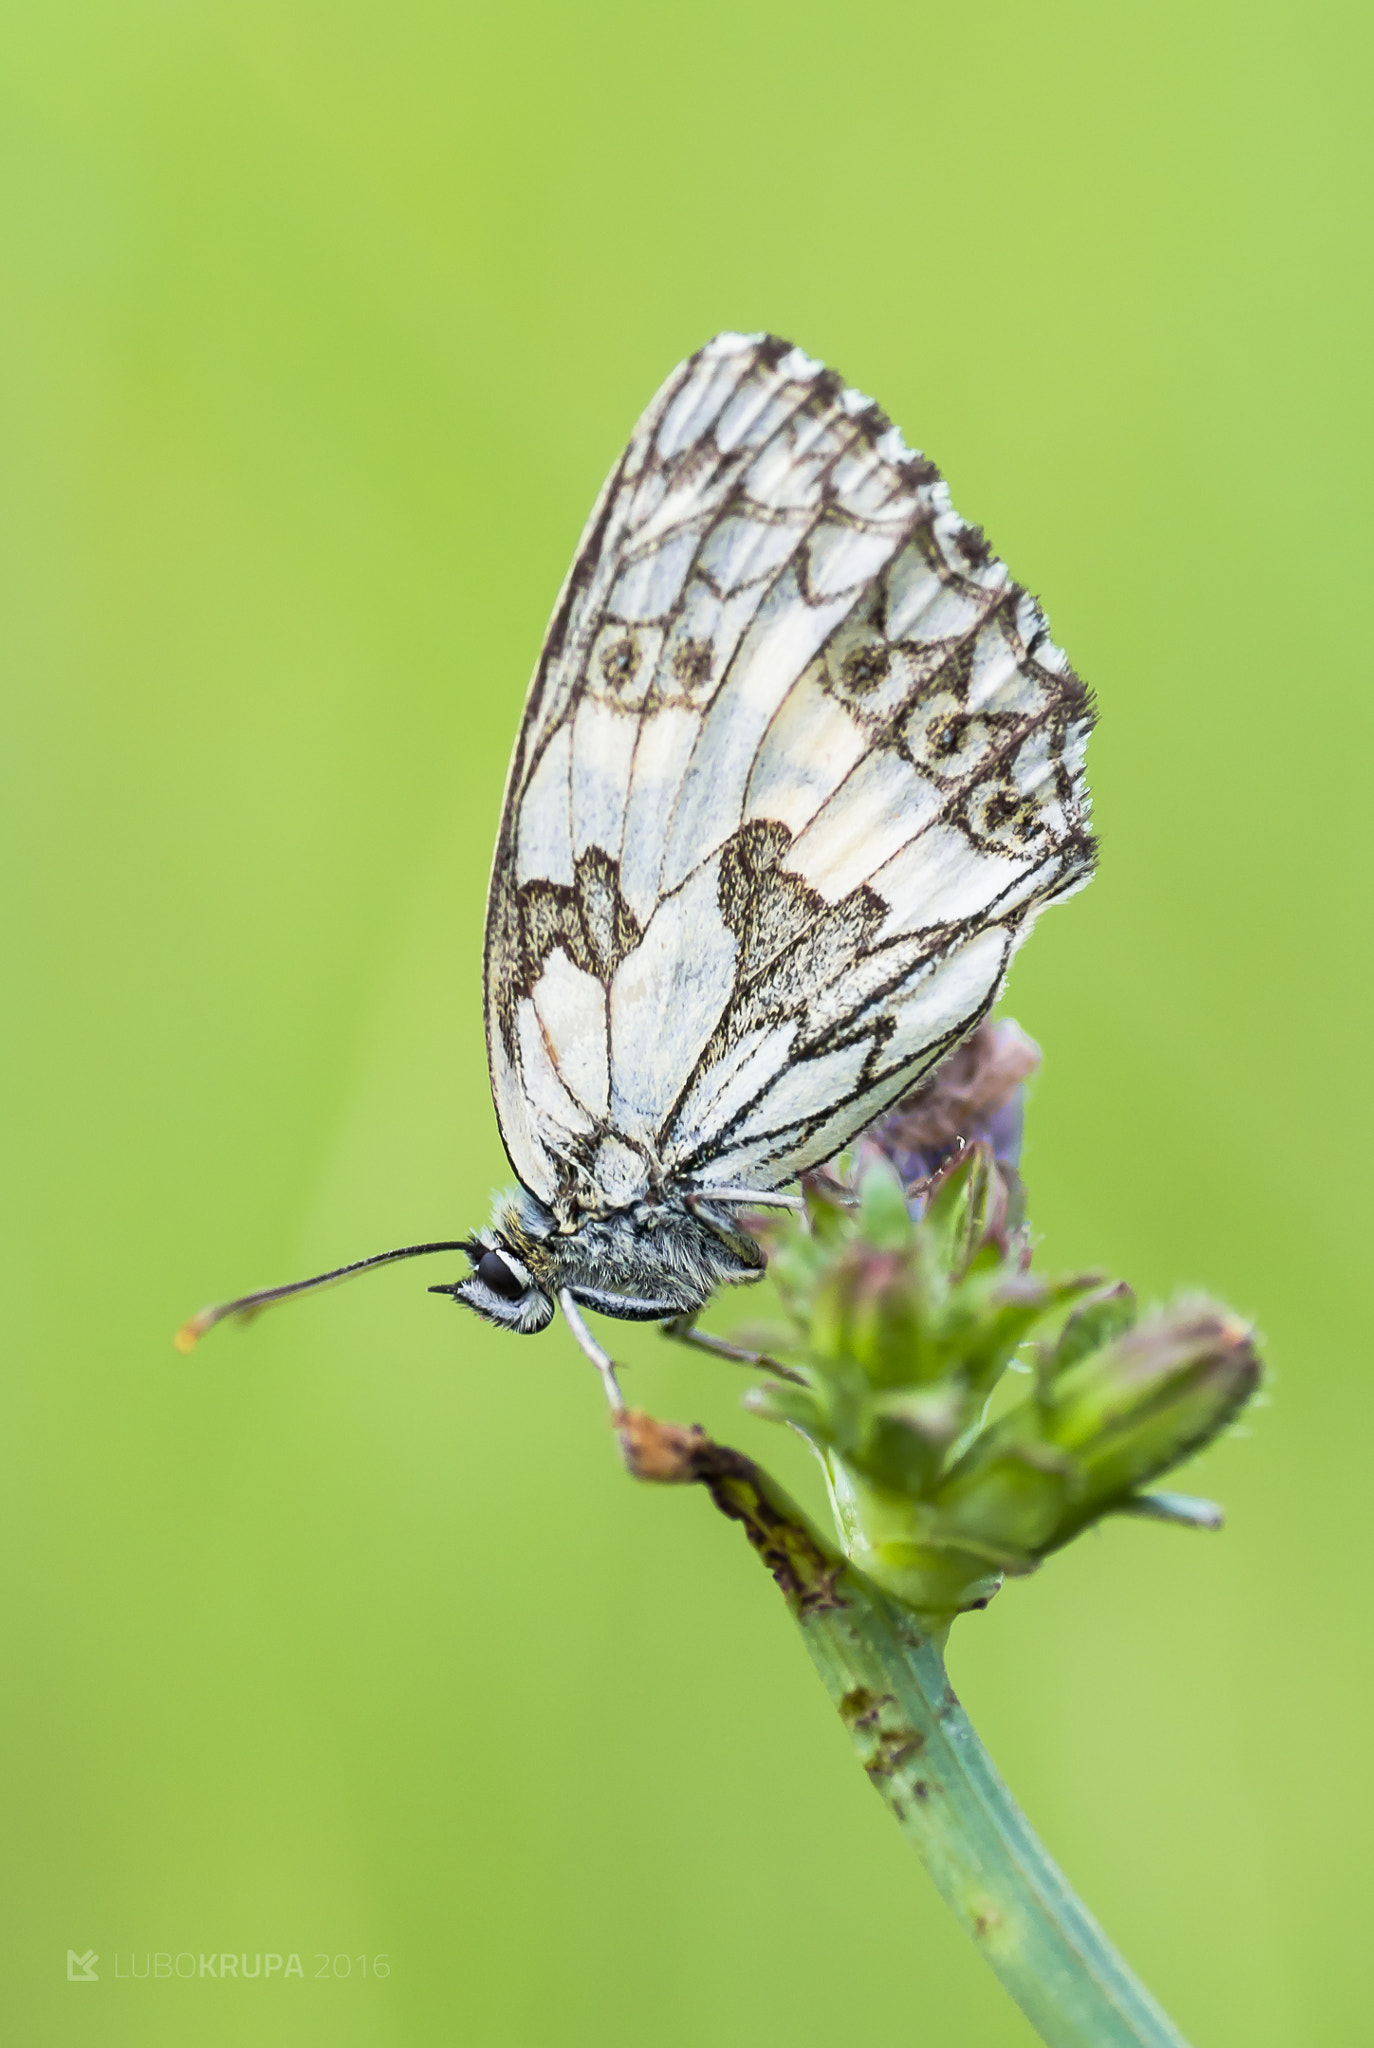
(798, 767)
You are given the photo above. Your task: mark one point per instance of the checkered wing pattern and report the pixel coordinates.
(798, 768)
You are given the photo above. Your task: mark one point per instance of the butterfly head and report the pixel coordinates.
(501, 1287)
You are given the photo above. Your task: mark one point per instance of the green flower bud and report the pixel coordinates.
(1160, 1393)
(1100, 1428)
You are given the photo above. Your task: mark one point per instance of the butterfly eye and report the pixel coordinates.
(493, 1272)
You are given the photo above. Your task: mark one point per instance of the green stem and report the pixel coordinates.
(887, 1679)
(925, 1760)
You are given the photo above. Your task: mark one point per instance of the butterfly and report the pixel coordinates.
(798, 768)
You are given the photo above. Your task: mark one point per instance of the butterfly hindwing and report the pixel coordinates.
(798, 767)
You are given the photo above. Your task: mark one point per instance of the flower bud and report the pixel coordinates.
(1104, 1425)
(1152, 1398)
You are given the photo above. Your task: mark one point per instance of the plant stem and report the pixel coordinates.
(887, 1679)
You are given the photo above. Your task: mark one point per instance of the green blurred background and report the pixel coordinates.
(321, 325)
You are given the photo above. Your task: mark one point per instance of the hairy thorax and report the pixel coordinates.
(655, 1259)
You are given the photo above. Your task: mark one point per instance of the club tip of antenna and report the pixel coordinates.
(191, 1330)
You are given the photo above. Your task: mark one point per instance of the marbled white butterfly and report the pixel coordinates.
(798, 769)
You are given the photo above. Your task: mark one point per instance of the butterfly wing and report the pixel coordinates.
(798, 767)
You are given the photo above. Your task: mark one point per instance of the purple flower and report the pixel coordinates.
(974, 1097)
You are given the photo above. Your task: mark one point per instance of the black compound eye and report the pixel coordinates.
(493, 1272)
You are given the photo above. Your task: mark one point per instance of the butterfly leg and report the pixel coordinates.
(599, 1358)
(684, 1329)
(753, 1198)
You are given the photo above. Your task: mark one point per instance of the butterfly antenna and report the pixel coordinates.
(248, 1304)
